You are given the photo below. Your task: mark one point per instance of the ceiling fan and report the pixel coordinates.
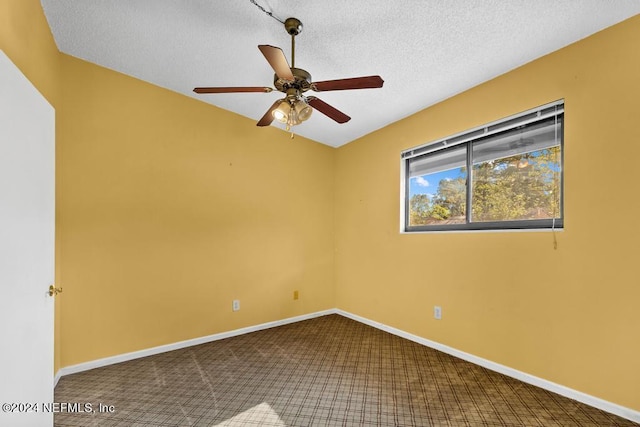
(295, 107)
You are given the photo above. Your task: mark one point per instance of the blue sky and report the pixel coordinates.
(428, 184)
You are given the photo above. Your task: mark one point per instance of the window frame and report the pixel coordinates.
(467, 138)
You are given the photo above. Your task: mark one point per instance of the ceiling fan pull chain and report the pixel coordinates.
(266, 11)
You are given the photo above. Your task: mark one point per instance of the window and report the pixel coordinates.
(505, 175)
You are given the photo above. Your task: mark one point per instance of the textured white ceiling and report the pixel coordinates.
(425, 50)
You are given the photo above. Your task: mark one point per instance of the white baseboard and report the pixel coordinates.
(57, 377)
(81, 367)
(596, 402)
(587, 399)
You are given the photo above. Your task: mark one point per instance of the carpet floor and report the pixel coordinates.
(327, 371)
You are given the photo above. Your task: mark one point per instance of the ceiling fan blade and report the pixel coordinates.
(368, 82)
(328, 110)
(231, 89)
(277, 60)
(268, 117)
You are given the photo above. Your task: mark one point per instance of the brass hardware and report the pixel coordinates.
(293, 26)
(54, 291)
(301, 81)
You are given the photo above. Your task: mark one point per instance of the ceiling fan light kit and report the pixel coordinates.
(292, 112)
(295, 107)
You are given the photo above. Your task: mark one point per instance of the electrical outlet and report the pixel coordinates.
(296, 295)
(437, 312)
(235, 306)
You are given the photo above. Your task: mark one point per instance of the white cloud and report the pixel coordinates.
(422, 182)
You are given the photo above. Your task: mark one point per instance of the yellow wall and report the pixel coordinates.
(568, 315)
(172, 208)
(168, 208)
(26, 38)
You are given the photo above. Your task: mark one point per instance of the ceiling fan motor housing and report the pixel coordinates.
(301, 81)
